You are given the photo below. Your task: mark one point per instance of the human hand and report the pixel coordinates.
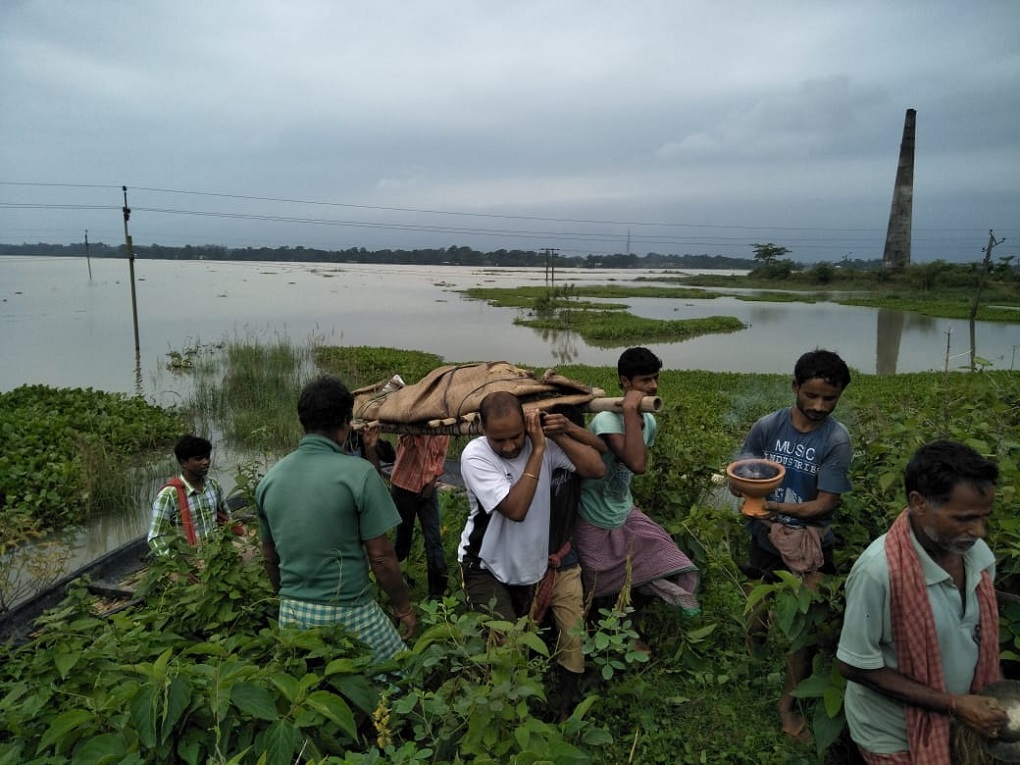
(632, 399)
(555, 424)
(980, 713)
(370, 438)
(533, 425)
(429, 488)
(407, 622)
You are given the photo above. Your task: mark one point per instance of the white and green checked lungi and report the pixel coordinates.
(369, 623)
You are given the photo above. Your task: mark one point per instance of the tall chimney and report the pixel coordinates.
(897, 237)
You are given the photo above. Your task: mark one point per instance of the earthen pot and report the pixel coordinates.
(754, 479)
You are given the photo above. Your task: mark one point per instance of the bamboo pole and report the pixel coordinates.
(471, 424)
(615, 404)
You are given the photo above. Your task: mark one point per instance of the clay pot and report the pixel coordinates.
(754, 479)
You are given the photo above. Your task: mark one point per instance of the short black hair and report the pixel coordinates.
(189, 446)
(824, 365)
(637, 361)
(499, 403)
(937, 467)
(325, 405)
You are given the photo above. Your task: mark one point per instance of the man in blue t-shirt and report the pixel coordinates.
(815, 450)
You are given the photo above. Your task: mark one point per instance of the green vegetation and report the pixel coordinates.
(948, 307)
(68, 452)
(604, 325)
(605, 330)
(202, 674)
(938, 289)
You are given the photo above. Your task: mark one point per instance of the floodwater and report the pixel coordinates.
(65, 327)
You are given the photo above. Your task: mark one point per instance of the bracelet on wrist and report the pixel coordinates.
(405, 613)
(531, 475)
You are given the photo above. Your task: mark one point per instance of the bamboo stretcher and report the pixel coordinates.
(470, 424)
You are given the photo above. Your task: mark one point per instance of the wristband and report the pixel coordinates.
(531, 475)
(406, 613)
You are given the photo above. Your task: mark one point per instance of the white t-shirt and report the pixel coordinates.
(515, 552)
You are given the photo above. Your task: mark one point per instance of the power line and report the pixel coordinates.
(428, 211)
(650, 239)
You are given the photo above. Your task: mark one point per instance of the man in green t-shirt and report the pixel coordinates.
(325, 517)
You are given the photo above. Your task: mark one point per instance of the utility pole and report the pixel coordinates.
(550, 266)
(87, 259)
(131, 266)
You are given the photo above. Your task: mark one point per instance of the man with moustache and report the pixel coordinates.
(815, 450)
(921, 630)
(504, 548)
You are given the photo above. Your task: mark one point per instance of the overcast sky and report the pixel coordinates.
(582, 125)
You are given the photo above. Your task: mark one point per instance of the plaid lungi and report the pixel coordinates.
(656, 562)
(369, 623)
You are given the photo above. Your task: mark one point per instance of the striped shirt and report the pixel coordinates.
(204, 505)
(420, 460)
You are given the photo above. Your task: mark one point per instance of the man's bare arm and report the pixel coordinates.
(386, 568)
(271, 564)
(825, 503)
(980, 713)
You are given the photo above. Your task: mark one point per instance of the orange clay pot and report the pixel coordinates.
(754, 479)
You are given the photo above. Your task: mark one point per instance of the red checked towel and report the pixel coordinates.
(917, 649)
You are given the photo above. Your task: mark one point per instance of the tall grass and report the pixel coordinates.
(247, 394)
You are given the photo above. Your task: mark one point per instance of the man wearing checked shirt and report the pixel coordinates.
(191, 505)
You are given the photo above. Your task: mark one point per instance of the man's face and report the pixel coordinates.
(196, 466)
(955, 525)
(816, 398)
(506, 435)
(647, 384)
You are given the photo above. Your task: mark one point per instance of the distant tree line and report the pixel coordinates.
(452, 256)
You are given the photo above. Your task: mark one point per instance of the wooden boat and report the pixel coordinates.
(107, 575)
(112, 579)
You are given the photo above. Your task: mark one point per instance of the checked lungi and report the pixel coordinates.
(369, 623)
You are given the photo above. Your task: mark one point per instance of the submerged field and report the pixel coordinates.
(202, 675)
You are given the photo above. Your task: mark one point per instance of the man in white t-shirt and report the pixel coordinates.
(504, 549)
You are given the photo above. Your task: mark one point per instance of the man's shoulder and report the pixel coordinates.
(780, 418)
(873, 562)
(606, 422)
(838, 432)
(476, 454)
(476, 447)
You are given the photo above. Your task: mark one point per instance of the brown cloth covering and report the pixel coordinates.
(917, 646)
(800, 547)
(457, 390)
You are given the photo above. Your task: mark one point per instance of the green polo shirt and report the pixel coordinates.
(877, 722)
(318, 506)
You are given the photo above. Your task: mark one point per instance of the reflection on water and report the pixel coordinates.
(887, 340)
(564, 344)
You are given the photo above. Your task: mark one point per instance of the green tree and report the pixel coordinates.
(767, 254)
